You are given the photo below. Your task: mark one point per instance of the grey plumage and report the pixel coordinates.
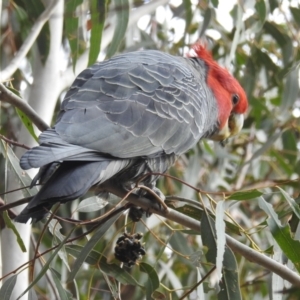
(121, 118)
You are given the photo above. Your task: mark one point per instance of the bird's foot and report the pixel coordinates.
(157, 203)
(155, 194)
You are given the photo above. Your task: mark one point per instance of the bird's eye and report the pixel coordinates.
(235, 99)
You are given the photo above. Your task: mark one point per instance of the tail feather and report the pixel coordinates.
(54, 149)
(70, 181)
(48, 153)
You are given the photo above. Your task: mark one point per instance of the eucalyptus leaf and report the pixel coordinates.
(266, 146)
(27, 123)
(281, 234)
(221, 237)
(8, 287)
(153, 281)
(91, 244)
(46, 266)
(291, 202)
(111, 269)
(229, 285)
(122, 17)
(296, 14)
(12, 226)
(91, 204)
(244, 195)
(71, 29)
(63, 294)
(98, 11)
(22, 176)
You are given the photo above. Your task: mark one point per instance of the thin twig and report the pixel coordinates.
(116, 211)
(197, 284)
(7, 96)
(14, 204)
(235, 245)
(15, 190)
(151, 192)
(31, 38)
(46, 274)
(13, 142)
(184, 220)
(244, 170)
(36, 251)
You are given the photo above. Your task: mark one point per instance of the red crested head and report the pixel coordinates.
(231, 98)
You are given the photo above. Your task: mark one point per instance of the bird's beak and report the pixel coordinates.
(231, 128)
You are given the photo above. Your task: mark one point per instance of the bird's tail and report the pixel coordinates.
(70, 181)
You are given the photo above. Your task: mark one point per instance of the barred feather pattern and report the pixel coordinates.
(122, 118)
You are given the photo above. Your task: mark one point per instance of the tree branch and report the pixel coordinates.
(184, 220)
(7, 96)
(35, 30)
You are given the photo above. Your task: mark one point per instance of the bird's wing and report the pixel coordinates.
(137, 104)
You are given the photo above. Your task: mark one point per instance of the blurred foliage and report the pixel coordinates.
(257, 173)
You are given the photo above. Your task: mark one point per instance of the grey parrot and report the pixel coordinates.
(130, 115)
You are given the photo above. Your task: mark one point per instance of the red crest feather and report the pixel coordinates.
(223, 85)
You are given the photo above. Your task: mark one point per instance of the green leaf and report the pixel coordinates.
(122, 11)
(281, 162)
(163, 248)
(98, 11)
(273, 4)
(15, 164)
(208, 148)
(91, 244)
(291, 90)
(209, 238)
(35, 8)
(266, 60)
(75, 250)
(112, 285)
(290, 146)
(229, 285)
(221, 238)
(271, 140)
(249, 80)
(187, 210)
(8, 287)
(12, 226)
(188, 14)
(178, 243)
(276, 33)
(281, 234)
(96, 257)
(118, 273)
(291, 202)
(32, 294)
(55, 228)
(71, 29)
(282, 39)
(153, 281)
(47, 264)
(63, 294)
(91, 204)
(296, 14)
(245, 195)
(206, 22)
(215, 3)
(261, 9)
(27, 123)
